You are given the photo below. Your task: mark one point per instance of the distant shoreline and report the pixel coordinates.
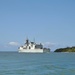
(67, 49)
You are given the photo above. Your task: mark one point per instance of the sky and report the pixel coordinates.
(51, 22)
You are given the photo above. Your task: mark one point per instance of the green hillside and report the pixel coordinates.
(67, 49)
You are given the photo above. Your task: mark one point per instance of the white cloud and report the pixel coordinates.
(14, 43)
(48, 44)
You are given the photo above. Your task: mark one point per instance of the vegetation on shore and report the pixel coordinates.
(67, 49)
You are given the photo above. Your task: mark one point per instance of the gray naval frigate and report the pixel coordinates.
(32, 47)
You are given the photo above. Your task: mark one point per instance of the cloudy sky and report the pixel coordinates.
(51, 22)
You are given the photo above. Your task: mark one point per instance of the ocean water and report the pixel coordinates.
(14, 63)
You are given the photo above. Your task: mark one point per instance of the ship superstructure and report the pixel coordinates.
(32, 47)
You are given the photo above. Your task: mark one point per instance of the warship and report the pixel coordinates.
(32, 47)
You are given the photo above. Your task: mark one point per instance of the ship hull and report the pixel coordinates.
(34, 50)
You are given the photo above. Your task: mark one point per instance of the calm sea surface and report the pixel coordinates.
(14, 63)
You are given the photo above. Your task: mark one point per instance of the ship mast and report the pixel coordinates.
(34, 40)
(27, 41)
